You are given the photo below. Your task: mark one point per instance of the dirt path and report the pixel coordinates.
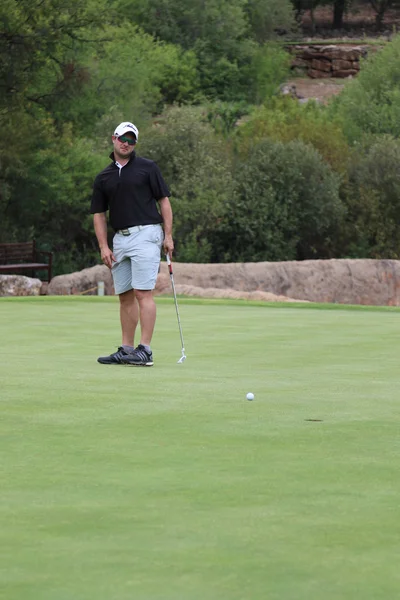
(320, 89)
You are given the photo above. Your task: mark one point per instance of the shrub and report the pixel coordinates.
(269, 68)
(372, 197)
(52, 202)
(286, 205)
(284, 119)
(223, 116)
(268, 17)
(371, 103)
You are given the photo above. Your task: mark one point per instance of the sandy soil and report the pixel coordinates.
(320, 89)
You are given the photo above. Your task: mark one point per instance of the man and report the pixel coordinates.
(130, 188)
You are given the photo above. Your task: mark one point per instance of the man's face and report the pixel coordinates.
(123, 146)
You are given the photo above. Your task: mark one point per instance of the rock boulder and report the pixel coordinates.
(320, 61)
(19, 285)
(82, 282)
(343, 281)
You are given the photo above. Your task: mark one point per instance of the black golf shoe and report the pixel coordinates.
(115, 358)
(139, 358)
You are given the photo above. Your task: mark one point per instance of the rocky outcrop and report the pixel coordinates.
(164, 287)
(345, 281)
(322, 62)
(198, 292)
(19, 285)
(82, 282)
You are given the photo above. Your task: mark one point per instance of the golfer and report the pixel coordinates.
(136, 197)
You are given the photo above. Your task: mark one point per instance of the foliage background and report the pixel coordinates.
(254, 176)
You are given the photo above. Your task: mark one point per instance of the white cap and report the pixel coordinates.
(125, 127)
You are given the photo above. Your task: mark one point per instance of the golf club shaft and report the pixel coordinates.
(175, 300)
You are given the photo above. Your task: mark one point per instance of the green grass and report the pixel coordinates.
(167, 484)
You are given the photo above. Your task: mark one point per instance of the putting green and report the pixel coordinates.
(165, 483)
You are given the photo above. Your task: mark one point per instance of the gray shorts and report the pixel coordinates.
(138, 258)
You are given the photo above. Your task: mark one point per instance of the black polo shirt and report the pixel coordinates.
(129, 194)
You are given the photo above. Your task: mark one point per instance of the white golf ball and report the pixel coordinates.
(250, 396)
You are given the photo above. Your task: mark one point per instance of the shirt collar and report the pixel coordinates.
(133, 155)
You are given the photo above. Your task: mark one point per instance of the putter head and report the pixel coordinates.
(182, 359)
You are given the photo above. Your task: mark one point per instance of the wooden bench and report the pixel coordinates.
(15, 258)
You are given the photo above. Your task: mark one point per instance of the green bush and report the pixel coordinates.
(267, 17)
(372, 197)
(371, 103)
(285, 120)
(269, 68)
(223, 116)
(252, 76)
(51, 202)
(137, 78)
(286, 206)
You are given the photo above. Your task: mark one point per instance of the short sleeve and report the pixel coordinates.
(157, 183)
(99, 200)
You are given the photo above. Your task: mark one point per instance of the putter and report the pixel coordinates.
(183, 357)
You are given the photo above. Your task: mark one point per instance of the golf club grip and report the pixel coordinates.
(169, 262)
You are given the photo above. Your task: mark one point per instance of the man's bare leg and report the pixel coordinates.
(129, 315)
(147, 312)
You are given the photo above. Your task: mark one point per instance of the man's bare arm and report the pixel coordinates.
(100, 228)
(166, 213)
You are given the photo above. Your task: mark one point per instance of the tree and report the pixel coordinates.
(39, 43)
(225, 35)
(268, 17)
(380, 7)
(303, 5)
(219, 24)
(49, 197)
(136, 78)
(68, 75)
(339, 6)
